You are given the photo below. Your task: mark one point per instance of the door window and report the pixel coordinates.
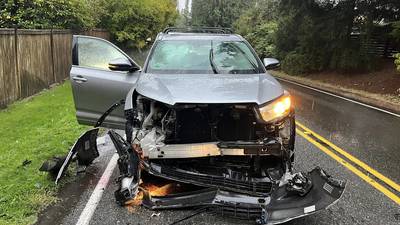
(96, 53)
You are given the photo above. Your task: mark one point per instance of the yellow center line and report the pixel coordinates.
(353, 169)
(352, 158)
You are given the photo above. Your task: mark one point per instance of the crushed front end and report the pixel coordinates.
(241, 155)
(237, 157)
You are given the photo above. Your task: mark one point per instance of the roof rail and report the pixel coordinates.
(213, 30)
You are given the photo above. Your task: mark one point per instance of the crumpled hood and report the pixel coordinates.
(209, 88)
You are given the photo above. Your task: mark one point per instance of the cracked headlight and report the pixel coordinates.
(276, 109)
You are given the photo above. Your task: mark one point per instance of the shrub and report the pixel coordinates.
(352, 60)
(397, 61)
(296, 63)
(39, 14)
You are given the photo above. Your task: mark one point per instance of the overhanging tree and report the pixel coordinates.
(218, 13)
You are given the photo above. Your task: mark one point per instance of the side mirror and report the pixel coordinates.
(271, 63)
(121, 64)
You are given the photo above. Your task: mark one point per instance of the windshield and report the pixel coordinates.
(203, 56)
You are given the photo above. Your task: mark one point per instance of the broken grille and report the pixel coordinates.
(240, 212)
(241, 186)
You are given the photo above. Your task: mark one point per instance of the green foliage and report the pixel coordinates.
(352, 59)
(396, 31)
(130, 22)
(262, 39)
(396, 36)
(322, 31)
(133, 21)
(317, 35)
(217, 13)
(33, 129)
(296, 63)
(258, 25)
(397, 61)
(43, 14)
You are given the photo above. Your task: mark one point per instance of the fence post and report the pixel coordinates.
(17, 64)
(52, 55)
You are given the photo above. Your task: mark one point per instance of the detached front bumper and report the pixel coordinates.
(283, 204)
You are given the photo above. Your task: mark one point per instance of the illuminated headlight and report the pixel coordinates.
(277, 109)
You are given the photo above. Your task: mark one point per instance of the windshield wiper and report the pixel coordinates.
(211, 58)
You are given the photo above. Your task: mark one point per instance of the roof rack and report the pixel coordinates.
(213, 30)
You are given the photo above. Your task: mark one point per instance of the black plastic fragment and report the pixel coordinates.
(129, 169)
(26, 162)
(53, 165)
(86, 150)
(109, 110)
(279, 207)
(299, 184)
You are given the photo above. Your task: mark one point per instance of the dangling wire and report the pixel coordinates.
(199, 211)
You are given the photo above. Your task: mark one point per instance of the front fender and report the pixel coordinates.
(129, 98)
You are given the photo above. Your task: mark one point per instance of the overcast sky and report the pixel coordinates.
(182, 4)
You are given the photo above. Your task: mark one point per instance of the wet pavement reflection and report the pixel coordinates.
(370, 135)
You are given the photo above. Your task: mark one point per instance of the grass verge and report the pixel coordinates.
(33, 129)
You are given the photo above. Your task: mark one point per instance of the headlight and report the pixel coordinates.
(276, 109)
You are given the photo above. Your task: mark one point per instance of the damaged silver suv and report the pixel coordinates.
(202, 111)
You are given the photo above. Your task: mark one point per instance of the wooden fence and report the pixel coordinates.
(378, 45)
(31, 60)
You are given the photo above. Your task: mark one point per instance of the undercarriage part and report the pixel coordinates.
(299, 184)
(199, 211)
(287, 132)
(85, 149)
(278, 207)
(249, 175)
(148, 120)
(132, 122)
(129, 169)
(129, 124)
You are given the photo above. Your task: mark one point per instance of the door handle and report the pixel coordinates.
(79, 79)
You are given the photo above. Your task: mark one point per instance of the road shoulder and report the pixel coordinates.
(388, 102)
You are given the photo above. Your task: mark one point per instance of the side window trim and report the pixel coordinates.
(75, 52)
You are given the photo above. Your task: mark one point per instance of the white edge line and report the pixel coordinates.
(97, 193)
(341, 97)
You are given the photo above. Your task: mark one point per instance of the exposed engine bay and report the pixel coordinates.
(157, 126)
(242, 166)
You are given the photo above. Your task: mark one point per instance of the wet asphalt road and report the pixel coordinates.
(369, 135)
